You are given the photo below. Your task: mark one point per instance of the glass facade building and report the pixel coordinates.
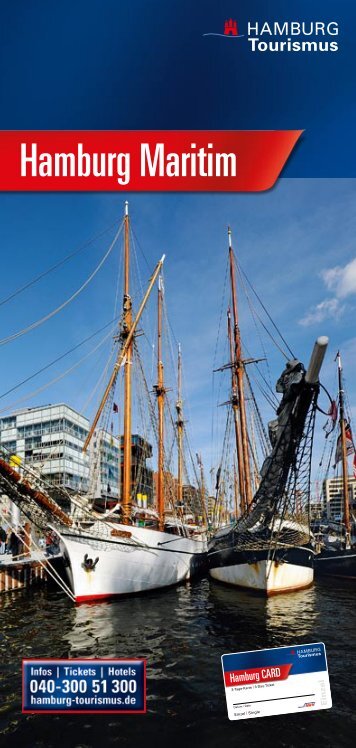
(50, 438)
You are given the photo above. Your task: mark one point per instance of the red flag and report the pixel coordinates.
(349, 444)
(349, 440)
(331, 422)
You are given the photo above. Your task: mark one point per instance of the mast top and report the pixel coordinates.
(229, 235)
(126, 208)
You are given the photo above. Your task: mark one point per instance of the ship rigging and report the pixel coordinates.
(335, 541)
(268, 546)
(128, 548)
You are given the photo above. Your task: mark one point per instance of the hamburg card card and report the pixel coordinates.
(266, 682)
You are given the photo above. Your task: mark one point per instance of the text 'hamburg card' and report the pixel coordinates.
(276, 681)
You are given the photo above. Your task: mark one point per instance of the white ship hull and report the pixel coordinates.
(269, 577)
(149, 560)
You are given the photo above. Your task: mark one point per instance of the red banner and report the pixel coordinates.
(257, 675)
(143, 160)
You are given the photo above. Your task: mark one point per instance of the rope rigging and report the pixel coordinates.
(268, 314)
(57, 265)
(59, 358)
(255, 373)
(65, 303)
(45, 386)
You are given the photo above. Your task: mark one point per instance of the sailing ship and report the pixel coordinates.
(268, 547)
(336, 554)
(108, 555)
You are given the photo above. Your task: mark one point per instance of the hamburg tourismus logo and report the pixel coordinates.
(231, 30)
(289, 37)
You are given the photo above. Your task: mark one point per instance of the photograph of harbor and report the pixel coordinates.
(177, 450)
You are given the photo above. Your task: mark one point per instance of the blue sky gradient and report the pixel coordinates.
(104, 64)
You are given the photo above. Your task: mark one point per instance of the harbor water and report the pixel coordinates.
(182, 632)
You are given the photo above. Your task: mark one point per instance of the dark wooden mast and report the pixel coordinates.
(127, 437)
(180, 427)
(160, 393)
(236, 494)
(202, 489)
(235, 410)
(345, 476)
(239, 370)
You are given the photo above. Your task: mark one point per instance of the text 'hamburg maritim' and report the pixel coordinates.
(154, 162)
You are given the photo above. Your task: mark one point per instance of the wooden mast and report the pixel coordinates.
(239, 368)
(160, 392)
(124, 357)
(180, 426)
(235, 409)
(236, 494)
(345, 476)
(127, 324)
(256, 474)
(202, 489)
(121, 357)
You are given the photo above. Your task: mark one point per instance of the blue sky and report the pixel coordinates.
(296, 244)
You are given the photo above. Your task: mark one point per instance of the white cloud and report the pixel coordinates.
(326, 309)
(340, 280)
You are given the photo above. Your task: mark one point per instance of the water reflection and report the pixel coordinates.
(182, 632)
(289, 617)
(275, 618)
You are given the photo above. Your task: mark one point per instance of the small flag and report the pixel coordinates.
(218, 479)
(115, 408)
(354, 465)
(331, 422)
(349, 444)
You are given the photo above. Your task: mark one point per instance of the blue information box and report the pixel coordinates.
(77, 686)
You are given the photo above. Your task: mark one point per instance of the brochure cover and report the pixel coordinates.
(177, 390)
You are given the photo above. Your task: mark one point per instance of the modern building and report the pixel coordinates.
(104, 477)
(333, 497)
(141, 473)
(192, 500)
(107, 458)
(170, 491)
(50, 438)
